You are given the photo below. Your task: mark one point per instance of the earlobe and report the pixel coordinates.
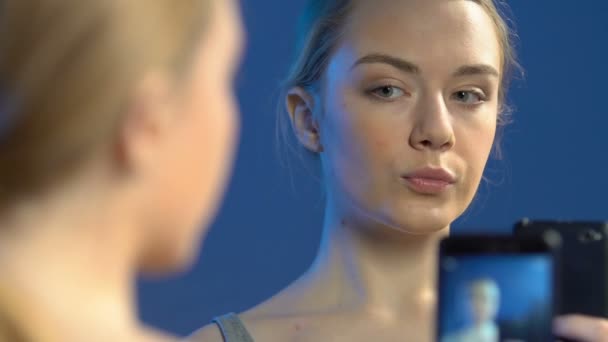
(300, 107)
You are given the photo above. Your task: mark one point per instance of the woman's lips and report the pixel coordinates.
(429, 181)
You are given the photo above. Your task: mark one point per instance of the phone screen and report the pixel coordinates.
(495, 297)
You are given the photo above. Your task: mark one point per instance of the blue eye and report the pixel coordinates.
(388, 92)
(469, 97)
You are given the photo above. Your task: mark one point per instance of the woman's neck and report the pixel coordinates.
(371, 269)
(69, 260)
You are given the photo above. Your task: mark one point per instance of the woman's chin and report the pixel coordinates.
(420, 230)
(418, 220)
(420, 224)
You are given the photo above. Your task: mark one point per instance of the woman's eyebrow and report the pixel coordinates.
(399, 63)
(476, 69)
(411, 68)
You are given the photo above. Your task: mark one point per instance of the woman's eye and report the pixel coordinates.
(469, 97)
(388, 92)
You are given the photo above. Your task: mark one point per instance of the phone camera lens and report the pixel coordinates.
(590, 236)
(552, 238)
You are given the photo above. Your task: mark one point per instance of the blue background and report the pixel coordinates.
(268, 229)
(524, 281)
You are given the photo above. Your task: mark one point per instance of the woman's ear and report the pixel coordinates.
(147, 124)
(300, 107)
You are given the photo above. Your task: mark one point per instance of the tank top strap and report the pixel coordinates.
(232, 328)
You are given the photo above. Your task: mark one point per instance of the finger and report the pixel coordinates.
(581, 328)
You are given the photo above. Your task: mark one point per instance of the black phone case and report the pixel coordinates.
(583, 258)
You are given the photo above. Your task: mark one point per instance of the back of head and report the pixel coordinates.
(66, 69)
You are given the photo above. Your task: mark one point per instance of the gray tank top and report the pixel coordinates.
(232, 328)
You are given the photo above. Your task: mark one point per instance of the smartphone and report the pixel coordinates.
(584, 253)
(498, 288)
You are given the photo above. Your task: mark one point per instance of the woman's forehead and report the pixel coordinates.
(425, 32)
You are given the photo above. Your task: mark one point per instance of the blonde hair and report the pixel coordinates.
(66, 70)
(321, 28)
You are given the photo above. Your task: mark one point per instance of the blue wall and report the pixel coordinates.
(268, 229)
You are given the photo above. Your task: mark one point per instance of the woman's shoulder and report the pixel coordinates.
(277, 319)
(229, 327)
(250, 324)
(208, 333)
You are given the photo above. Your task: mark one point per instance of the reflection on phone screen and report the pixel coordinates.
(495, 298)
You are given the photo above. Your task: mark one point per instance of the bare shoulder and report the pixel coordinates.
(208, 333)
(277, 319)
(281, 318)
(267, 329)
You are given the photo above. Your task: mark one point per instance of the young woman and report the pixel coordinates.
(483, 306)
(401, 101)
(117, 129)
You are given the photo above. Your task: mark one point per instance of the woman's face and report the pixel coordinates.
(409, 111)
(484, 302)
(195, 166)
